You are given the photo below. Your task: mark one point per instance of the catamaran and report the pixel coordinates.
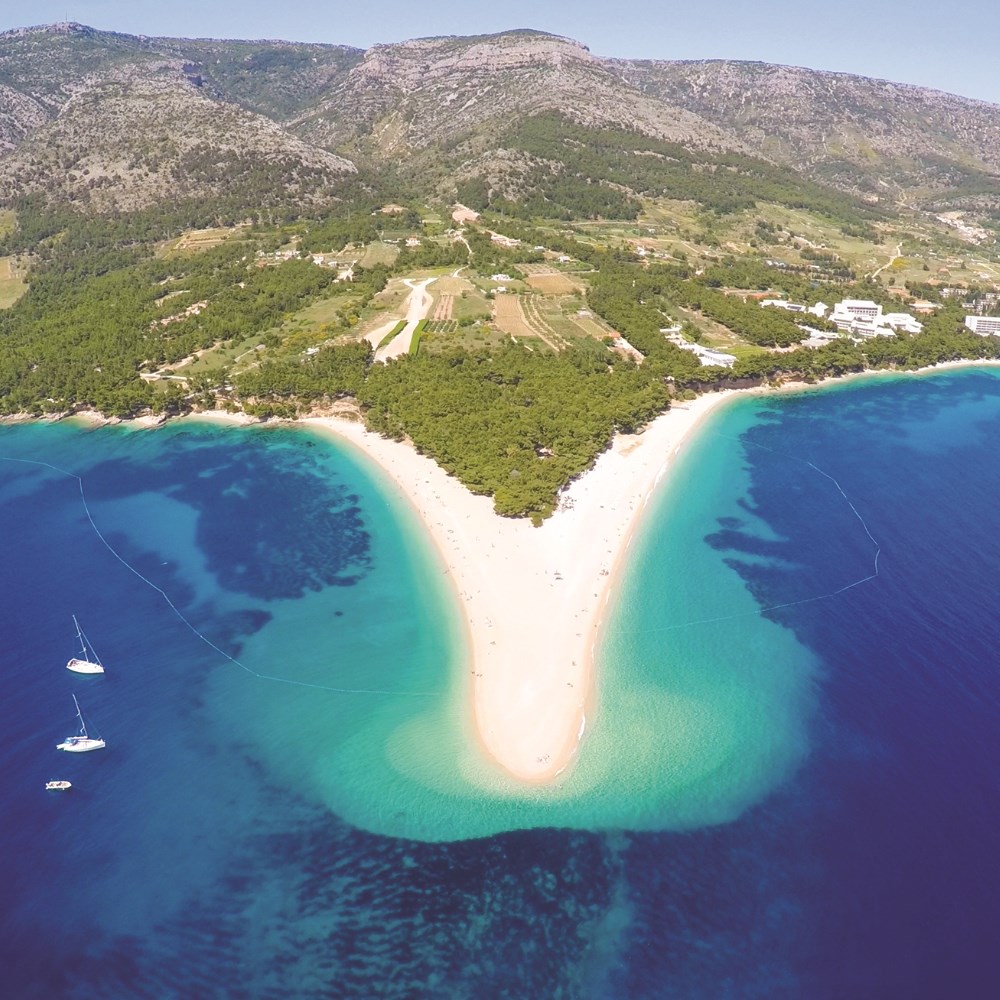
(88, 661)
(82, 741)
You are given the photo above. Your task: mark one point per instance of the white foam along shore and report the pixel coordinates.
(534, 597)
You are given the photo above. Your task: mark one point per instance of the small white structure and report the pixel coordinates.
(985, 326)
(817, 338)
(705, 355)
(819, 309)
(500, 277)
(796, 307)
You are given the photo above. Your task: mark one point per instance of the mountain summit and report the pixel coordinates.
(112, 120)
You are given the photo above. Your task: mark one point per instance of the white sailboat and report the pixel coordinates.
(82, 741)
(57, 786)
(88, 661)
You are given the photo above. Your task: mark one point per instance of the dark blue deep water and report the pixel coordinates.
(179, 868)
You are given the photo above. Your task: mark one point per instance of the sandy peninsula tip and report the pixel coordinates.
(534, 598)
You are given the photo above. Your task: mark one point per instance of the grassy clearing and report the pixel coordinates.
(445, 336)
(552, 283)
(321, 313)
(239, 354)
(471, 305)
(200, 239)
(12, 283)
(379, 253)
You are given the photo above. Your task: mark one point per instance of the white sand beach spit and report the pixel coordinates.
(534, 597)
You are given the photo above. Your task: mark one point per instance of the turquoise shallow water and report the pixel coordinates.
(681, 737)
(333, 650)
(789, 789)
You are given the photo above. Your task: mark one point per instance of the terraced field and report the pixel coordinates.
(511, 318)
(203, 239)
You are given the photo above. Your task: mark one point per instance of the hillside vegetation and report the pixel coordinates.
(201, 224)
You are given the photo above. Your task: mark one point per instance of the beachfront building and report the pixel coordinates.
(847, 311)
(705, 355)
(817, 338)
(864, 318)
(869, 328)
(985, 326)
(709, 357)
(902, 322)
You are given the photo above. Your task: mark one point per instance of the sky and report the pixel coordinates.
(950, 46)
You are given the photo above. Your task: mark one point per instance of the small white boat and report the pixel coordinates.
(88, 661)
(83, 741)
(57, 786)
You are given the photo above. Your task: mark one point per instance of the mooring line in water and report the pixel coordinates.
(788, 604)
(173, 607)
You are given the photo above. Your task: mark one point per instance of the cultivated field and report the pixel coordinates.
(550, 282)
(443, 308)
(519, 318)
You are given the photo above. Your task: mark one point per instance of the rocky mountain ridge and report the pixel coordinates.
(439, 107)
(436, 91)
(837, 126)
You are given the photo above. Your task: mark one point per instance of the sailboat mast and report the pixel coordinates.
(79, 635)
(79, 715)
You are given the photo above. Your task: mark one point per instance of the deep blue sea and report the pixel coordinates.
(814, 594)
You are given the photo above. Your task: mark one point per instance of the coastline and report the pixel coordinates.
(534, 598)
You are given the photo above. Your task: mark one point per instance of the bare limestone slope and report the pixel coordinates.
(433, 91)
(111, 120)
(861, 134)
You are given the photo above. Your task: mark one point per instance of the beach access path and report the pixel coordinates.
(534, 598)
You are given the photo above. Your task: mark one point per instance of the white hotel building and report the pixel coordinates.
(985, 326)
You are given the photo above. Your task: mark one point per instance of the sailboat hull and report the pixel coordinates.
(80, 744)
(84, 667)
